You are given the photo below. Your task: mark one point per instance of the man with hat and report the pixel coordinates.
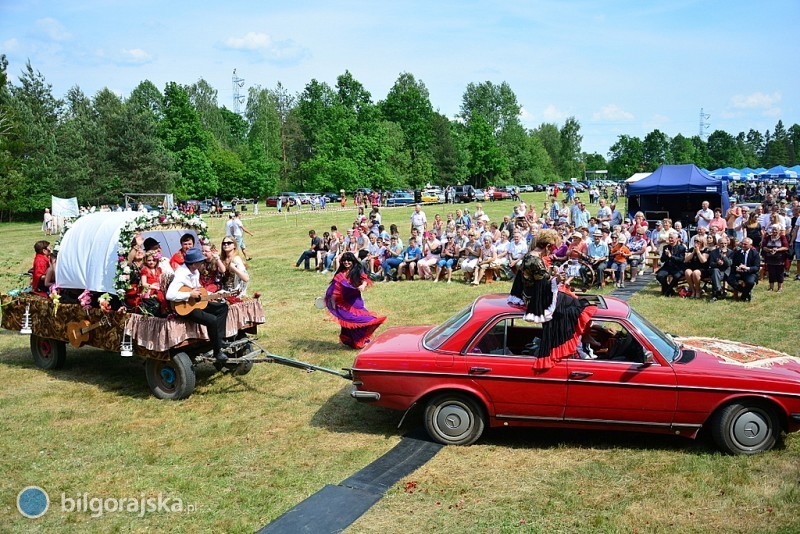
(215, 316)
(598, 255)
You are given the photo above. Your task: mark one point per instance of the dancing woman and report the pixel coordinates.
(563, 316)
(343, 300)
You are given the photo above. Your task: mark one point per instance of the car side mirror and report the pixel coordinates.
(649, 359)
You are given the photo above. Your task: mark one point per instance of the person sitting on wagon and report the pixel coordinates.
(151, 244)
(187, 243)
(215, 316)
(41, 262)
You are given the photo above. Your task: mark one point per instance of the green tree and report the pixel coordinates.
(550, 138)
(776, 149)
(626, 156)
(448, 150)
(655, 150)
(571, 138)
(723, 151)
(594, 162)
(408, 105)
(485, 159)
(681, 150)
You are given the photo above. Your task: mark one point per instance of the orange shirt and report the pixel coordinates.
(618, 252)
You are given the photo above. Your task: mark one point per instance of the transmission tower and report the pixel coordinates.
(237, 98)
(703, 124)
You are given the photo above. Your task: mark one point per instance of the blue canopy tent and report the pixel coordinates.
(728, 173)
(777, 172)
(676, 191)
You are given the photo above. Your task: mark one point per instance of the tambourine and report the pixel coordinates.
(319, 302)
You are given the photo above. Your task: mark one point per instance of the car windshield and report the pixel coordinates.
(438, 335)
(662, 342)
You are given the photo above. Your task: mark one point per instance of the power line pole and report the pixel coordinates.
(237, 98)
(703, 124)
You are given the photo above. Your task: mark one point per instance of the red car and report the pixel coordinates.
(475, 370)
(501, 194)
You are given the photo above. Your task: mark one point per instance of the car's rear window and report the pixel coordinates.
(438, 335)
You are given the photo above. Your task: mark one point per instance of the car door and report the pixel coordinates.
(617, 387)
(501, 360)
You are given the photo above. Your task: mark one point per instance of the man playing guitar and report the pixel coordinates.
(185, 287)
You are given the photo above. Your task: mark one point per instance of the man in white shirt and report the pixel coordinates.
(418, 219)
(704, 215)
(237, 231)
(215, 316)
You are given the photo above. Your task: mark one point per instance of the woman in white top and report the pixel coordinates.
(235, 277)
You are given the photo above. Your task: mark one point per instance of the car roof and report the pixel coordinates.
(489, 305)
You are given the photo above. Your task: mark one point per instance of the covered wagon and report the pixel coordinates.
(92, 264)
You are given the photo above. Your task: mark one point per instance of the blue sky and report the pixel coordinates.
(619, 67)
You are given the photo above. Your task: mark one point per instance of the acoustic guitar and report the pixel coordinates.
(78, 332)
(185, 307)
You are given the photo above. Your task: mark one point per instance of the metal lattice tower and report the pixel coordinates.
(703, 124)
(237, 98)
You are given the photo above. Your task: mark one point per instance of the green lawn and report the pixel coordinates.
(244, 450)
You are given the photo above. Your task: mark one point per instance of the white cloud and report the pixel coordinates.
(612, 112)
(10, 45)
(656, 122)
(525, 115)
(52, 29)
(261, 46)
(756, 100)
(551, 113)
(250, 41)
(136, 56)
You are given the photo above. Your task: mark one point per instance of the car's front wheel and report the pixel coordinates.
(745, 428)
(454, 419)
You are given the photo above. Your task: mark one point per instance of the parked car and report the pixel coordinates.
(475, 370)
(480, 196)
(463, 193)
(429, 196)
(501, 194)
(332, 197)
(526, 189)
(400, 198)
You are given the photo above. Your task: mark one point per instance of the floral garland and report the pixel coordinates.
(146, 221)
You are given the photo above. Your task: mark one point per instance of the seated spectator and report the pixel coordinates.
(393, 257)
(672, 265)
(637, 244)
(696, 260)
(151, 244)
(411, 256)
(745, 265)
(311, 252)
(619, 254)
(598, 255)
(719, 266)
(517, 251)
(432, 249)
(471, 254)
(447, 259)
(487, 257)
(41, 262)
(233, 267)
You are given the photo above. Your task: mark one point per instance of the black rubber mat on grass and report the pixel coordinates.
(334, 508)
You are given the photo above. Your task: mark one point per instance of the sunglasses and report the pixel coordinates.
(227, 243)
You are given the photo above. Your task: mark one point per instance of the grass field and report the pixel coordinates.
(244, 450)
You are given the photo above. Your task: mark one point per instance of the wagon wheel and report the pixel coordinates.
(587, 278)
(48, 353)
(173, 379)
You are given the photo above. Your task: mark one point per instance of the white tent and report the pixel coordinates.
(638, 176)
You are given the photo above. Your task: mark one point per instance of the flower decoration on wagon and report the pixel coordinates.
(143, 223)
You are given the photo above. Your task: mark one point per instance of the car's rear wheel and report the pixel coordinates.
(454, 419)
(745, 428)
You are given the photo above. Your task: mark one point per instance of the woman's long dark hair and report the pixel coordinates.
(356, 269)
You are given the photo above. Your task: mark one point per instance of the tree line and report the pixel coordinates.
(752, 149)
(324, 138)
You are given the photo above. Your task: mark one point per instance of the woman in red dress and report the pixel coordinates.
(343, 300)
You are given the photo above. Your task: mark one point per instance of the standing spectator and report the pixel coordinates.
(555, 208)
(704, 215)
(419, 220)
(604, 212)
(47, 223)
(733, 214)
(41, 262)
(616, 215)
(238, 231)
(774, 250)
(795, 239)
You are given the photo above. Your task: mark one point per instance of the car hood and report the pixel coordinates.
(399, 339)
(736, 356)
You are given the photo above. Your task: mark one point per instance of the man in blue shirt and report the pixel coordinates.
(598, 255)
(411, 256)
